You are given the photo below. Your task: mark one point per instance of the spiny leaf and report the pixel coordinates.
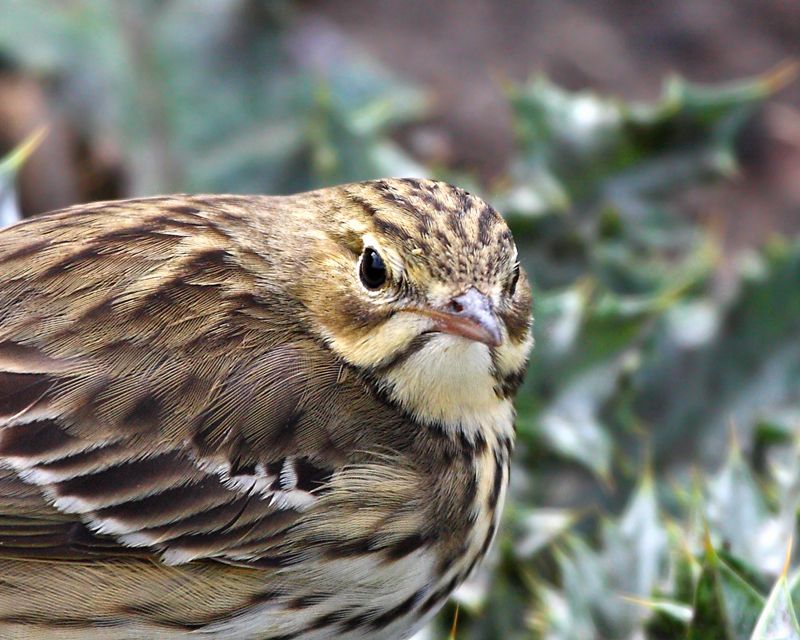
(571, 425)
(725, 606)
(793, 587)
(735, 508)
(778, 620)
(678, 611)
(537, 528)
(576, 145)
(14, 160)
(9, 166)
(454, 627)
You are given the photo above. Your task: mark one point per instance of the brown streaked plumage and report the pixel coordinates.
(254, 417)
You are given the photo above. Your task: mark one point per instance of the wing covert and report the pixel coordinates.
(148, 391)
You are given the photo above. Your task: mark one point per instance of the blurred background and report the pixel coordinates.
(647, 157)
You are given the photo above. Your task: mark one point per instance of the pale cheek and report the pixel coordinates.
(512, 357)
(380, 344)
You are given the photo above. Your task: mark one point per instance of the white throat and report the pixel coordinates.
(449, 381)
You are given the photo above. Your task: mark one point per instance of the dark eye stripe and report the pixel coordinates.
(512, 286)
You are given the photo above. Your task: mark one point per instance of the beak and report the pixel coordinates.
(470, 316)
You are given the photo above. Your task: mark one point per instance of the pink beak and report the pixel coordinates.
(470, 316)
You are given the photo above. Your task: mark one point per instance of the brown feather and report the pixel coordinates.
(199, 382)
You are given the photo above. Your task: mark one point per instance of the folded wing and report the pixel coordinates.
(151, 399)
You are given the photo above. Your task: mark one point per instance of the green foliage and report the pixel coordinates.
(207, 97)
(643, 361)
(648, 367)
(9, 167)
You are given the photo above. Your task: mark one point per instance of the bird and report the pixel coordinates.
(255, 417)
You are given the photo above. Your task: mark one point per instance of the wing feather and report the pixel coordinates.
(148, 397)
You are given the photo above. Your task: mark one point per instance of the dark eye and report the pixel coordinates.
(512, 285)
(372, 271)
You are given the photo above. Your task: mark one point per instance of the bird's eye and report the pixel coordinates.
(372, 270)
(512, 285)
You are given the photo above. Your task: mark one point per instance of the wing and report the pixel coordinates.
(154, 393)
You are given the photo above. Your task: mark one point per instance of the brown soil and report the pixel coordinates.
(463, 49)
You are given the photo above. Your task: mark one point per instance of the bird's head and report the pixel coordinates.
(421, 288)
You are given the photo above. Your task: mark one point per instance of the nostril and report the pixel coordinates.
(456, 306)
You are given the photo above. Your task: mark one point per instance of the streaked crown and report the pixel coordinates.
(429, 298)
